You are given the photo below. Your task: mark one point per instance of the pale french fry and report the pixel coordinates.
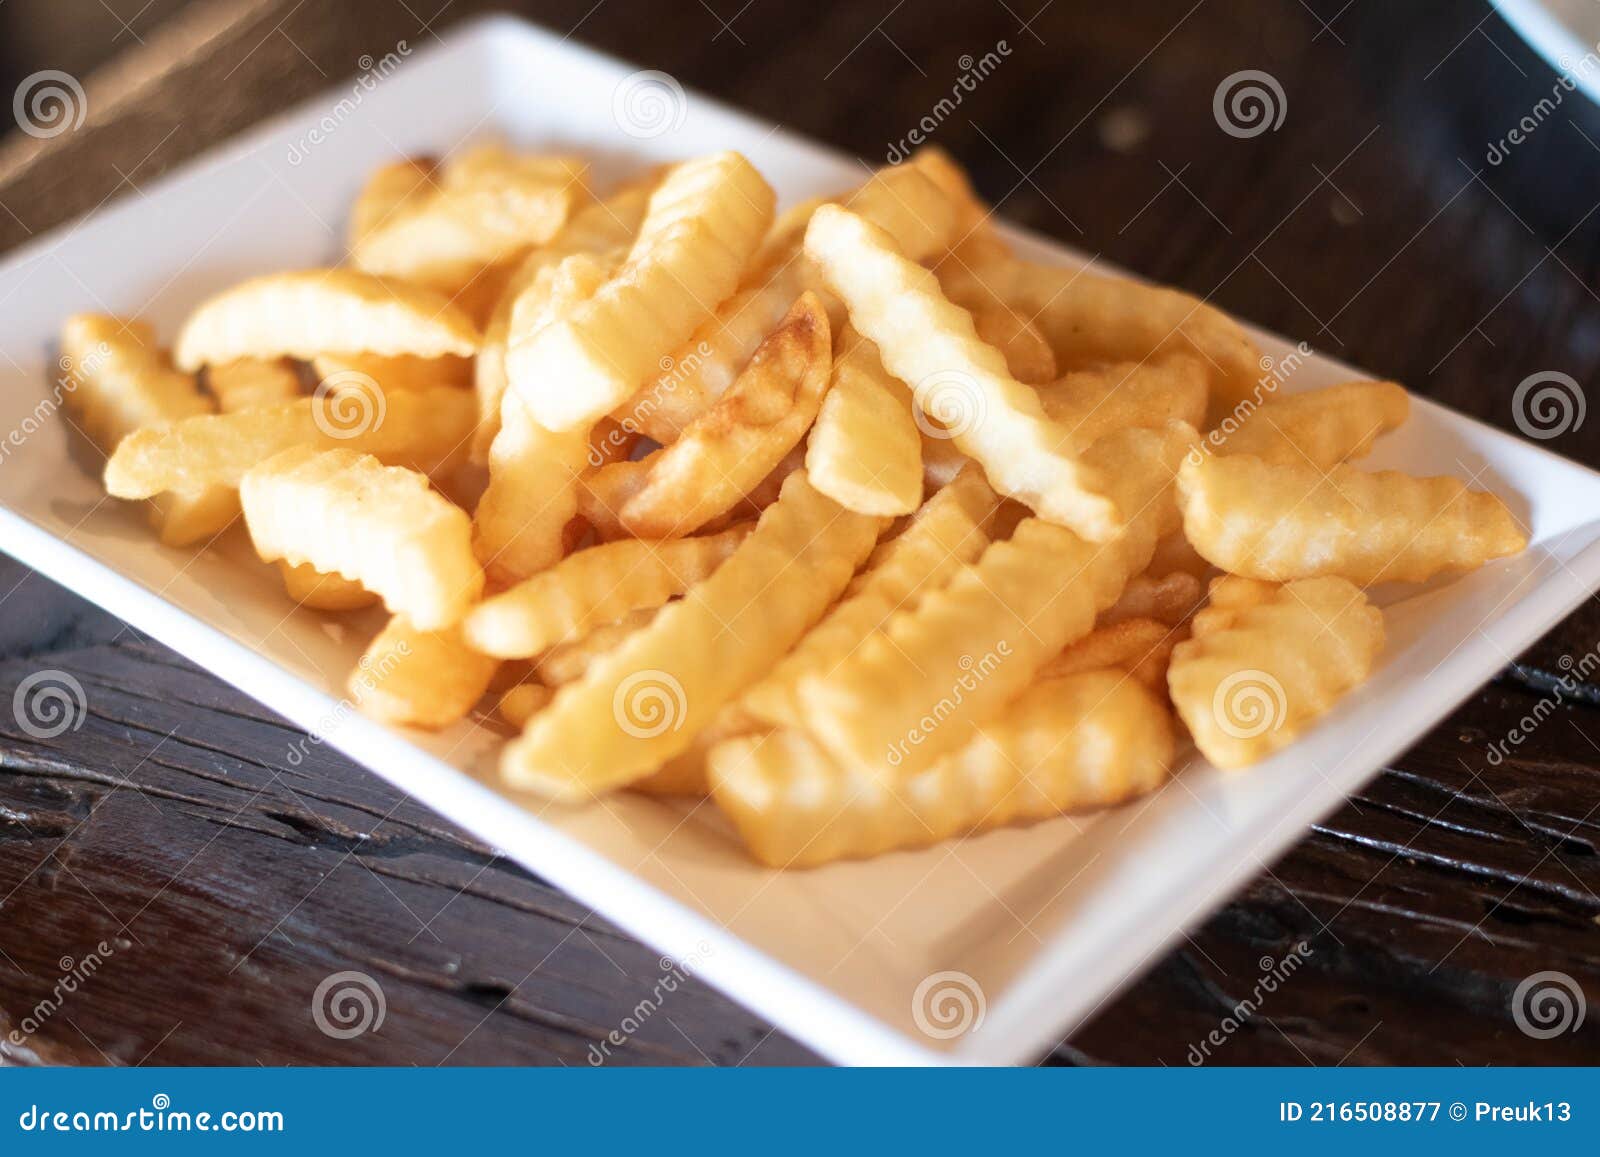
(382, 526)
(643, 703)
(253, 384)
(603, 494)
(930, 344)
(419, 678)
(520, 703)
(391, 374)
(520, 525)
(311, 588)
(1169, 599)
(1283, 522)
(1265, 662)
(726, 452)
(900, 200)
(388, 189)
(949, 532)
(1320, 427)
(1141, 647)
(704, 223)
(865, 451)
(591, 588)
(1089, 404)
(566, 662)
(316, 311)
(597, 230)
(968, 649)
(1088, 740)
(476, 215)
(420, 429)
(121, 381)
(1028, 356)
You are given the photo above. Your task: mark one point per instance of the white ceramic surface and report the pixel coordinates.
(1048, 921)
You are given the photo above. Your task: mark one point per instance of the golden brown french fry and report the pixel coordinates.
(1088, 740)
(1320, 427)
(388, 189)
(1170, 599)
(642, 704)
(311, 588)
(421, 429)
(912, 691)
(956, 380)
(520, 703)
(253, 384)
(1028, 356)
(566, 662)
(316, 311)
(949, 532)
(725, 453)
(519, 527)
(382, 526)
(1089, 404)
(1280, 521)
(1141, 647)
(865, 451)
(591, 588)
(419, 678)
(1265, 662)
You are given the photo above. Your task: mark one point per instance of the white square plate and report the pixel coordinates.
(1039, 925)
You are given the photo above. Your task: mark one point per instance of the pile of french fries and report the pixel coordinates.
(844, 517)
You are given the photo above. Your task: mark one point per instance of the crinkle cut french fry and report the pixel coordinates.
(253, 383)
(1089, 404)
(865, 451)
(1266, 661)
(642, 704)
(591, 588)
(900, 200)
(947, 533)
(185, 517)
(1169, 599)
(566, 662)
(1028, 356)
(603, 494)
(931, 345)
(975, 239)
(725, 453)
(704, 223)
(382, 526)
(1321, 427)
(1280, 522)
(311, 588)
(1088, 740)
(309, 312)
(912, 691)
(419, 678)
(520, 525)
(420, 429)
(388, 189)
(1141, 647)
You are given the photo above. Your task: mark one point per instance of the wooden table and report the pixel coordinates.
(226, 886)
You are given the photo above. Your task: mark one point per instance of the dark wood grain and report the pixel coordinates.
(1371, 222)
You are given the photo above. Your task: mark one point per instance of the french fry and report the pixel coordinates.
(900, 200)
(121, 381)
(392, 375)
(725, 453)
(317, 311)
(567, 662)
(949, 532)
(1174, 553)
(1282, 522)
(382, 526)
(975, 238)
(388, 189)
(1028, 356)
(865, 451)
(591, 588)
(253, 384)
(1169, 599)
(1265, 662)
(520, 703)
(419, 678)
(482, 211)
(642, 704)
(704, 223)
(603, 494)
(1321, 427)
(1141, 647)
(968, 649)
(311, 588)
(1087, 740)
(420, 429)
(520, 525)
(1089, 404)
(930, 344)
